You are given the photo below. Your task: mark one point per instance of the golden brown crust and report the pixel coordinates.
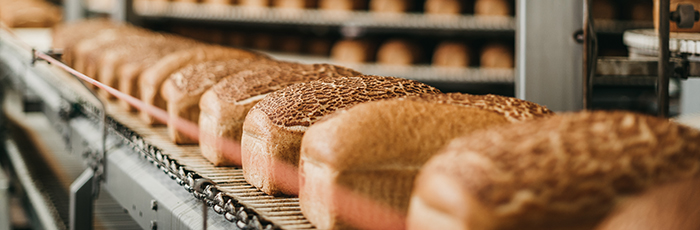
(376, 149)
(452, 54)
(303, 104)
(398, 52)
(183, 90)
(29, 13)
(568, 169)
(511, 108)
(152, 78)
(225, 105)
(674, 206)
(273, 128)
(443, 7)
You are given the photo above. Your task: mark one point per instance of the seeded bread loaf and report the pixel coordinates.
(137, 50)
(85, 54)
(673, 206)
(152, 78)
(563, 172)
(184, 88)
(225, 105)
(376, 149)
(130, 70)
(66, 35)
(273, 128)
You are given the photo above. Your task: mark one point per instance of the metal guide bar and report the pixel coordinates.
(356, 19)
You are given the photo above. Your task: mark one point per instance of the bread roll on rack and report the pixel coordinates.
(389, 6)
(452, 54)
(342, 5)
(294, 4)
(225, 106)
(273, 128)
(447, 7)
(497, 55)
(353, 51)
(492, 8)
(398, 52)
(29, 13)
(563, 172)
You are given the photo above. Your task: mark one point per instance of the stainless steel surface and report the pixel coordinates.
(641, 66)
(690, 96)
(73, 10)
(4, 200)
(46, 214)
(81, 201)
(590, 49)
(664, 55)
(549, 62)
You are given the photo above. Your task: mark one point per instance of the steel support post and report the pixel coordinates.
(549, 61)
(664, 33)
(81, 201)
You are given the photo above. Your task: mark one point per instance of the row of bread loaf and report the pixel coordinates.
(29, 13)
(480, 7)
(391, 51)
(444, 160)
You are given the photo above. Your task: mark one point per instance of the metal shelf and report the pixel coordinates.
(619, 26)
(424, 73)
(350, 22)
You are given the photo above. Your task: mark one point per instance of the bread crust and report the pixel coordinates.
(183, 90)
(562, 172)
(224, 106)
(380, 163)
(152, 78)
(274, 127)
(672, 206)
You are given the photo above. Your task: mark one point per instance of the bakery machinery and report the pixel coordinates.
(161, 185)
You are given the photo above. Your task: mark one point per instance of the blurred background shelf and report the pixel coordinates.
(370, 21)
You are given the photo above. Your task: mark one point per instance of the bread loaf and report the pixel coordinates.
(448, 7)
(452, 54)
(294, 4)
(225, 105)
(673, 206)
(318, 46)
(398, 52)
(183, 89)
(29, 13)
(342, 5)
(290, 44)
(496, 55)
(152, 78)
(66, 36)
(273, 128)
(130, 70)
(492, 8)
(376, 149)
(254, 3)
(138, 50)
(389, 6)
(352, 51)
(563, 172)
(86, 52)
